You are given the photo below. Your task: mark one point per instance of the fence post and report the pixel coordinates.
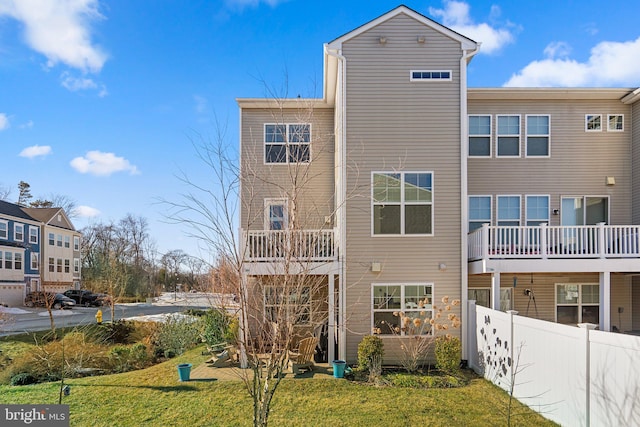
(601, 240)
(587, 375)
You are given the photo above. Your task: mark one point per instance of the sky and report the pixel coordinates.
(101, 101)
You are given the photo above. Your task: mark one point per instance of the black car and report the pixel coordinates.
(44, 299)
(84, 297)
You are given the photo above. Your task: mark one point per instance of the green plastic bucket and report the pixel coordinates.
(184, 371)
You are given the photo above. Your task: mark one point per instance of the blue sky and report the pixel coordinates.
(99, 99)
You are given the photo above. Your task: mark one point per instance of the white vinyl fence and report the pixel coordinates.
(573, 376)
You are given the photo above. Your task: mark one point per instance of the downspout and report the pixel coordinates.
(467, 54)
(341, 192)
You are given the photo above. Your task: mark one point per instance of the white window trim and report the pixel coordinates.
(35, 260)
(579, 304)
(275, 202)
(508, 135)
(498, 196)
(430, 79)
(50, 240)
(402, 285)
(481, 135)
(76, 243)
(286, 143)
(76, 265)
(403, 204)
(33, 232)
(586, 122)
(490, 207)
(609, 129)
(527, 135)
(526, 206)
(15, 232)
(6, 224)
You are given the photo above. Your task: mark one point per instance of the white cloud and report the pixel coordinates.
(77, 83)
(60, 30)
(455, 15)
(35, 151)
(27, 125)
(4, 121)
(557, 50)
(241, 4)
(610, 64)
(102, 164)
(87, 212)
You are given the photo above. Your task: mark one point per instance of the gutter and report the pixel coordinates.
(467, 54)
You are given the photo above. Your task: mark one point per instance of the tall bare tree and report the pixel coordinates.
(290, 301)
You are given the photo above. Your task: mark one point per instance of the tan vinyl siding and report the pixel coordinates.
(312, 184)
(397, 125)
(632, 125)
(579, 163)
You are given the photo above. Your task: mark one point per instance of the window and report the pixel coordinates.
(276, 214)
(413, 300)
(295, 306)
(67, 241)
(479, 211)
(59, 240)
(479, 136)
(509, 210)
(537, 210)
(17, 263)
(615, 123)
(587, 210)
(76, 243)
(8, 260)
(52, 265)
(508, 135)
(287, 143)
(482, 296)
(67, 266)
(52, 239)
(402, 203)
(76, 265)
(18, 232)
(577, 303)
(35, 261)
(593, 122)
(538, 135)
(4, 230)
(33, 234)
(59, 265)
(427, 75)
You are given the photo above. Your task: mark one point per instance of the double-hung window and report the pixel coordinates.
(52, 239)
(76, 265)
(538, 136)
(76, 243)
(4, 230)
(33, 234)
(402, 203)
(67, 241)
(392, 303)
(17, 263)
(479, 211)
(578, 303)
(35, 264)
(508, 136)
(52, 265)
(59, 240)
(287, 143)
(18, 232)
(8, 260)
(480, 136)
(276, 217)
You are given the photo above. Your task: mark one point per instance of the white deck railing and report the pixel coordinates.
(296, 245)
(543, 241)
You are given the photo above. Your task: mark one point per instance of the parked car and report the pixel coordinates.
(42, 299)
(84, 297)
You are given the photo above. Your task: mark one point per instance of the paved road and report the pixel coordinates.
(37, 319)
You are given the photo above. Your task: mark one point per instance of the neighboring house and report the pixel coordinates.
(60, 250)
(19, 254)
(416, 187)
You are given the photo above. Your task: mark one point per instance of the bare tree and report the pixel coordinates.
(5, 192)
(289, 302)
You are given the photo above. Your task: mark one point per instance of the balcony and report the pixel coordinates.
(554, 242)
(299, 246)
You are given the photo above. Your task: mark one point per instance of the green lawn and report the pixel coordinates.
(155, 397)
